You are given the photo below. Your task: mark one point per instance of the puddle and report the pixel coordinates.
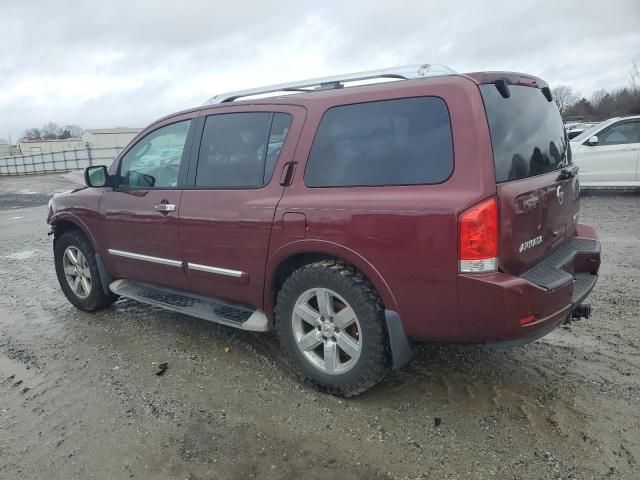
(22, 255)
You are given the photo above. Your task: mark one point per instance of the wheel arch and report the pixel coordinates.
(67, 222)
(292, 256)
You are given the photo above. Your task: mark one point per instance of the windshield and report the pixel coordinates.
(587, 133)
(527, 133)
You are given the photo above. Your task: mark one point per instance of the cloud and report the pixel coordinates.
(123, 63)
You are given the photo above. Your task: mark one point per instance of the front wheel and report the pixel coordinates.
(78, 273)
(330, 322)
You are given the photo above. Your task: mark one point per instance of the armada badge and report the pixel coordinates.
(524, 246)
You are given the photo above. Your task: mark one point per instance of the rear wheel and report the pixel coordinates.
(330, 323)
(78, 274)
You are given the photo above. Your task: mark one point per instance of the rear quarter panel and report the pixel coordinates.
(404, 238)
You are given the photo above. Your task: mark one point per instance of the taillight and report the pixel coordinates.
(478, 228)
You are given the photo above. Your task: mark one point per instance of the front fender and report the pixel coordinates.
(66, 216)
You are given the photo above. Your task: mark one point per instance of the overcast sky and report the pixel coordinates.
(125, 63)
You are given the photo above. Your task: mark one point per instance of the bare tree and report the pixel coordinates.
(634, 78)
(606, 104)
(51, 131)
(564, 96)
(74, 131)
(599, 97)
(31, 134)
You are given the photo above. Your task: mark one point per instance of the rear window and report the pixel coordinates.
(392, 142)
(526, 132)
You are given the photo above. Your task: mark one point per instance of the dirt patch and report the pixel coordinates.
(22, 200)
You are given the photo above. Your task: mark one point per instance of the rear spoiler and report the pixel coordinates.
(502, 80)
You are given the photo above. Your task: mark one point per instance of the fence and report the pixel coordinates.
(62, 161)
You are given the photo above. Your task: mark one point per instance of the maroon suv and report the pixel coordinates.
(354, 221)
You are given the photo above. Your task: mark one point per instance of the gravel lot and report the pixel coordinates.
(79, 397)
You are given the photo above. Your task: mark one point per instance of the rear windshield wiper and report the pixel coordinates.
(567, 173)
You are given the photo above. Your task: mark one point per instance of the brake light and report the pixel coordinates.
(478, 227)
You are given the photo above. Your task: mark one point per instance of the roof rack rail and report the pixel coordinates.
(408, 72)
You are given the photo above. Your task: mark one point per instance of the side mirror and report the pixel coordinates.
(593, 141)
(96, 177)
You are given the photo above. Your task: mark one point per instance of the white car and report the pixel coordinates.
(608, 154)
(576, 129)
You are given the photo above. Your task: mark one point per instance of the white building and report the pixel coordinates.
(109, 137)
(96, 138)
(31, 147)
(5, 148)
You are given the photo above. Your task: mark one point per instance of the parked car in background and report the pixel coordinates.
(353, 221)
(608, 154)
(576, 129)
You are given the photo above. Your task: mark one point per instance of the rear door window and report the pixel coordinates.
(527, 132)
(240, 150)
(392, 142)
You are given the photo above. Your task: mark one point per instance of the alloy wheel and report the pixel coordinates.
(76, 271)
(327, 331)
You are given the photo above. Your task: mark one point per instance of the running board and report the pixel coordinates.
(219, 311)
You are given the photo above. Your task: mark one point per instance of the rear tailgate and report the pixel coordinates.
(537, 186)
(536, 215)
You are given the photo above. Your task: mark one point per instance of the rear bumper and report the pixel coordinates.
(508, 310)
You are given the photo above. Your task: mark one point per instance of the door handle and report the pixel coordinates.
(165, 207)
(287, 174)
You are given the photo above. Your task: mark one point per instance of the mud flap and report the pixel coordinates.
(105, 279)
(401, 351)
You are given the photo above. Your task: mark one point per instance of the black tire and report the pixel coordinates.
(96, 299)
(352, 286)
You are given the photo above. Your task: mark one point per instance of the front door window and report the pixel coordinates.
(620, 134)
(154, 162)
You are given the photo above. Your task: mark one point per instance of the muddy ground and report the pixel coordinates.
(79, 397)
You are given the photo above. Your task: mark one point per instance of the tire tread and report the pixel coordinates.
(97, 300)
(376, 359)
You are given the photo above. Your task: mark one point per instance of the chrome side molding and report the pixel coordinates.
(218, 270)
(177, 263)
(145, 258)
